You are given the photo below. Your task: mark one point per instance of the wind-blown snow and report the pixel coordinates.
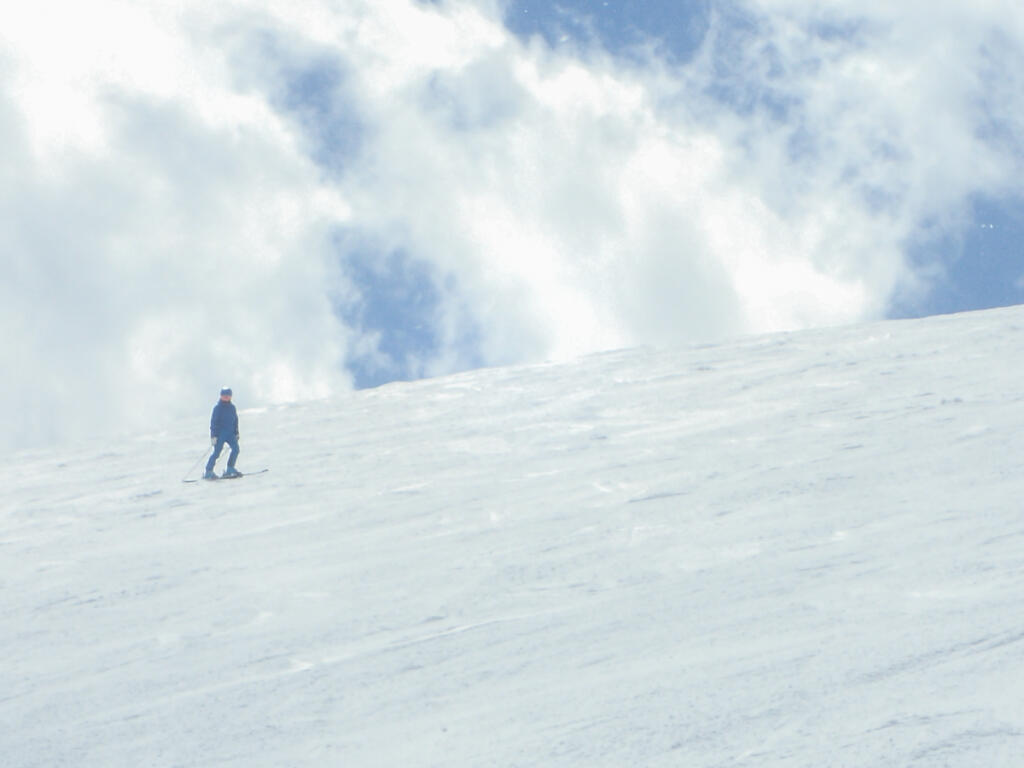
(792, 550)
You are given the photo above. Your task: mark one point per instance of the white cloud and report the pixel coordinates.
(572, 199)
(171, 187)
(162, 232)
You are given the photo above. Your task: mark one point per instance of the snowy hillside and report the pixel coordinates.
(795, 550)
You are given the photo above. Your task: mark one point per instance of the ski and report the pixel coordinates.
(227, 477)
(244, 474)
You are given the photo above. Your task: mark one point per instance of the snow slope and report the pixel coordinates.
(794, 550)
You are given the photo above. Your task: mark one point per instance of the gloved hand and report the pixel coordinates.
(213, 441)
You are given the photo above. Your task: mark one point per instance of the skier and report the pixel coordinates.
(223, 429)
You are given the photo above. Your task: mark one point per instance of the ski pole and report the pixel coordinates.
(203, 456)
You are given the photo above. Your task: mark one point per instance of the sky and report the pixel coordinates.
(302, 202)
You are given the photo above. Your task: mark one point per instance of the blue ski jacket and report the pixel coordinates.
(224, 421)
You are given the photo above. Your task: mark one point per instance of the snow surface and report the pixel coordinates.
(792, 550)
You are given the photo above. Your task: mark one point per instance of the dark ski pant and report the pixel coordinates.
(232, 443)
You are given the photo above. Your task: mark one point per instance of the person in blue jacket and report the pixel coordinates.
(223, 430)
